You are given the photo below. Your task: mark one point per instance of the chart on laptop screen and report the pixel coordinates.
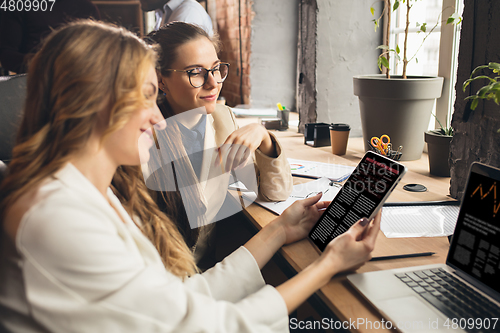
(477, 248)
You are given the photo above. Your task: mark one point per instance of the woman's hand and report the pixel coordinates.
(346, 252)
(353, 248)
(241, 143)
(298, 219)
(291, 226)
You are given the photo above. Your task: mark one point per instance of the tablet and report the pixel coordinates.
(362, 195)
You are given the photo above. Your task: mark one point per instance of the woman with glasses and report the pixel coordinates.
(84, 248)
(190, 75)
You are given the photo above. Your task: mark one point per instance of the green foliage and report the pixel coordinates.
(444, 130)
(491, 91)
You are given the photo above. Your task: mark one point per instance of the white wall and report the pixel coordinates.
(273, 59)
(346, 47)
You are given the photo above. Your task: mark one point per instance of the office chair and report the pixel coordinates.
(12, 96)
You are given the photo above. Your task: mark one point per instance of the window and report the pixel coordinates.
(438, 55)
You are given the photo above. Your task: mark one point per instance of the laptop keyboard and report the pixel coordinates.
(451, 296)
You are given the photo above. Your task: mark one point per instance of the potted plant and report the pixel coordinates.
(399, 106)
(438, 149)
(489, 91)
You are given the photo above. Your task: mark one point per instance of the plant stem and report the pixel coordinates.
(387, 32)
(405, 60)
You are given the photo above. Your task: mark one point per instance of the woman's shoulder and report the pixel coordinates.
(222, 110)
(33, 198)
(223, 115)
(47, 207)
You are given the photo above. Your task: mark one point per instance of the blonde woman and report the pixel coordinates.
(85, 249)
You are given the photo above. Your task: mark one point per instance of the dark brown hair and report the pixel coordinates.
(169, 38)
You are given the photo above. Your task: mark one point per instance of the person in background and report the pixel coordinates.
(190, 75)
(189, 11)
(21, 31)
(85, 248)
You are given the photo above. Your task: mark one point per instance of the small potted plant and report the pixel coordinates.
(438, 149)
(399, 106)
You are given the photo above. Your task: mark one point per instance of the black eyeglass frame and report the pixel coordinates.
(212, 70)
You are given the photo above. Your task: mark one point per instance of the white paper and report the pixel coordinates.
(419, 221)
(253, 112)
(300, 191)
(335, 172)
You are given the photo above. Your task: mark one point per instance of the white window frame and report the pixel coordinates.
(448, 60)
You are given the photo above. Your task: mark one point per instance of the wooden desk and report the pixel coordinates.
(338, 295)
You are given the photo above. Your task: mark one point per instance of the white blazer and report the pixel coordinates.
(76, 267)
(270, 177)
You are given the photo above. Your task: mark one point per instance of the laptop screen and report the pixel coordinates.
(475, 248)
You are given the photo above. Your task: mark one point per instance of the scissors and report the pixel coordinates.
(381, 143)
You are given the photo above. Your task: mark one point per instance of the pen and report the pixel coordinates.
(402, 256)
(279, 106)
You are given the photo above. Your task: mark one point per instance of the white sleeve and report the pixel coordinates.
(194, 14)
(82, 272)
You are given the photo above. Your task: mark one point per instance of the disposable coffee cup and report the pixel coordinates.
(339, 134)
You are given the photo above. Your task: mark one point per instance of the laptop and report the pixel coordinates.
(462, 295)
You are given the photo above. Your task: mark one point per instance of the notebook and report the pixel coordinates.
(462, 295)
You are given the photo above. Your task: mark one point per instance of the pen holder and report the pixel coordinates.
(317, 134)
(392, 154)
(283, 115)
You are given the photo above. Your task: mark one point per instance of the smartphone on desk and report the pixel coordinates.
(362, 195)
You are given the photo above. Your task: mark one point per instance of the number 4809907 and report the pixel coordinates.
(27, 5)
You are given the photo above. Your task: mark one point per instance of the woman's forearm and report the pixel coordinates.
(299, 288)
(265, 243)
(267, 146)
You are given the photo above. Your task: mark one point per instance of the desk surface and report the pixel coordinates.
(338, 295)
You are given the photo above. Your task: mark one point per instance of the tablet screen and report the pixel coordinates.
(364, 191)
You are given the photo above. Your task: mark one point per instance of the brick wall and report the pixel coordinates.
(236, 88)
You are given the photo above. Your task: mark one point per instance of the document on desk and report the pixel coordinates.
(299, 192)
(335, 172)
(419, 220)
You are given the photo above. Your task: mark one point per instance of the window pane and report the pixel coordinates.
(426, 61)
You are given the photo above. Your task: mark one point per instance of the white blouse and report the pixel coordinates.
(76, 267)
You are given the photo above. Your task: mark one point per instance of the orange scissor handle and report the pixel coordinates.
(381, 143)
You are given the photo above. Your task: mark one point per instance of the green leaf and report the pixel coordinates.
(382, 61)
(494, 66)
(454, 17)
(383, 47)
(396, 5)
(397, 49)
(416, 60)
(496, 96)
(482, 77)
(474, 103)
(372, 10)
(423, 28)
(465, 84)
(483, 91)
(477, 69)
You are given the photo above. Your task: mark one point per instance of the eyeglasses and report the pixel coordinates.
(198, 76)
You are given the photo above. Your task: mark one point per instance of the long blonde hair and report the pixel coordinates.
(83, 71)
